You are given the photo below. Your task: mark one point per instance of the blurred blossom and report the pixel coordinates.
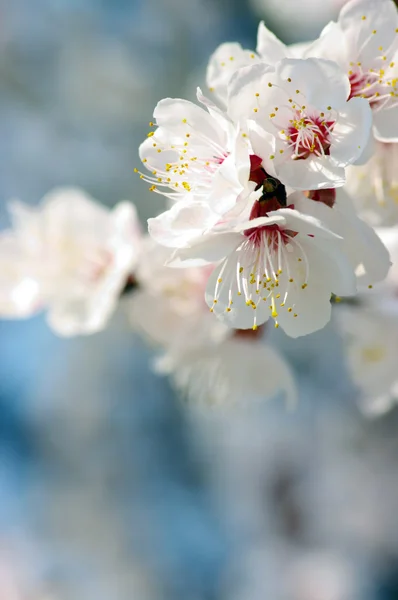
(374, 186)
(71, 255)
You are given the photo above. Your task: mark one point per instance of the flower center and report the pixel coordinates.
(372, 85)
(269, 266)
(309, 134)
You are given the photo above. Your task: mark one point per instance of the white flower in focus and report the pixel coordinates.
(364, 249)
(279, 263)
(370, 334)
(364, 42)
(374, 186)
(230, 57)
(205, 358)
(304, 129)
(196, 153)
(70, 256)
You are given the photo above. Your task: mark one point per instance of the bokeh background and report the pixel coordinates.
(111, 488)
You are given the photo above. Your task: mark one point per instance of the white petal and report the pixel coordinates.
(239, 315)
(20, 293)
(331, 45)
(176, 115)
(313, 310)
(303, 223)
(206, 249)
(314, 173)
(269, 47)
(221, 68)
(385, 124)
(380, 17)
(321, 81)
(351, 132)
(183, 222)
(243, 87)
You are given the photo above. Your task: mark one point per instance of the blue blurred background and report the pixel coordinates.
(110, 487)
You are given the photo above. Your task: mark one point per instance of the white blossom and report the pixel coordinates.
(370, 334)
(374, 187)
(305, 130)
(196, 153)
(206, 359)
(70, 256)
(279, 263)
(364, 42)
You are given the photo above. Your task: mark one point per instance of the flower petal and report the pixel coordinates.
(351, 132)
(185, 221)
(269, 47)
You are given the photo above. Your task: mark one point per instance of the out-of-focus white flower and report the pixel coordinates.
(374, 186)
(370, 334)
(306, 132)
(70, 256)
(364, 42)
(196, 153)
(206, 359)
(321, 576)
(237, 371)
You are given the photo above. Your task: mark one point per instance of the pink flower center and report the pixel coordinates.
(372, 85)
(309, 134)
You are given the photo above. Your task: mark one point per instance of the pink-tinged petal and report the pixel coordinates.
(311, 174)
(182, 223)
(385, 124)
(206, 249)
(322, 82)
(225, 61)
(269, 47)
(351, 132)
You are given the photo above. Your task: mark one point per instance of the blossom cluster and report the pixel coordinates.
(275, 181)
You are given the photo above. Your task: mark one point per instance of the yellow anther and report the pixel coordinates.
(273, 307)
(151, 134)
